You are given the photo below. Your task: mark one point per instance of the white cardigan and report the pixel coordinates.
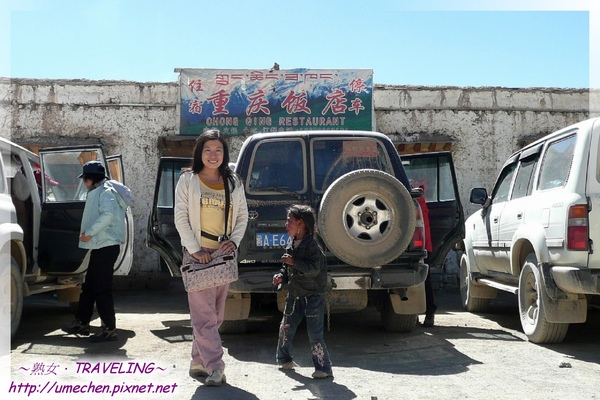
(187, 212)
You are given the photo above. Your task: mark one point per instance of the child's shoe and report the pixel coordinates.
(321, 375)
(290, 365)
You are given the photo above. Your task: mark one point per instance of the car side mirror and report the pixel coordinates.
(478, 196)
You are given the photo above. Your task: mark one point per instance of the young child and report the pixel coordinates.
(304, 270)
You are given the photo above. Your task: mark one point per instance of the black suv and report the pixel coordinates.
(369, 222)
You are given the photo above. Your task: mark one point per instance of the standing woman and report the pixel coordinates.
(200, 221)
(102, 231)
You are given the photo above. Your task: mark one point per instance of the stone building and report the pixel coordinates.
(482, 126)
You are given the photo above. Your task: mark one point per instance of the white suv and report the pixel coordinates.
(535, 234)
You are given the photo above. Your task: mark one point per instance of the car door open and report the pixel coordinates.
(162, 236)
(434, 173)
(63, 196)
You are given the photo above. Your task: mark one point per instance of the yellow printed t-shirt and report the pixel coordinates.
(212, 212)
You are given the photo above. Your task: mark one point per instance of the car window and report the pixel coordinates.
(62, 170)
(556, 163)
(423, 173)
(12, 167)
(169, 175)
(277, 165)
(502, 188)
(115, 167)
(524, 178)
(334, 157)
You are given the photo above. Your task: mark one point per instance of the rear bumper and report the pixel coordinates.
(254, 281)
(259, 280)
(384, 278)
(576, 279)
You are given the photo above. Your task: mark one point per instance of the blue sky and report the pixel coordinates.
(507, 43)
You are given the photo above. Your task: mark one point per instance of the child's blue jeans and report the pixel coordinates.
(311, 307)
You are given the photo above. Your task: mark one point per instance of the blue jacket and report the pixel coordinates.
(103, 217)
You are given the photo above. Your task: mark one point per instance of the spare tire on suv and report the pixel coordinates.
(367, 218)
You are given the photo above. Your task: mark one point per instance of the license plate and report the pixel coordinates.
(272, 239)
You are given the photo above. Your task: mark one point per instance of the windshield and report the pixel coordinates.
(277, 166)
(335, 157)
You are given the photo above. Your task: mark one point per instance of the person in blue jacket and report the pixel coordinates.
(102, 232)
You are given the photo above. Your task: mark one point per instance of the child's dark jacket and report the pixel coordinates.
(308, 275)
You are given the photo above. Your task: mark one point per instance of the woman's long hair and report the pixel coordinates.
(197, 164)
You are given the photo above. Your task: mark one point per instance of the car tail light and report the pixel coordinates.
(577, 228)
(419, 235)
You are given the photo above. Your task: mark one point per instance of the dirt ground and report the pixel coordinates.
(465, 356)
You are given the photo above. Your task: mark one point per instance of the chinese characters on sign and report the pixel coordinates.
(251, 101)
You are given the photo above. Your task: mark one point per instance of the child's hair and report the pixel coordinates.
(306, 214)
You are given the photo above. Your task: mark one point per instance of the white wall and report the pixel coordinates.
(485, 125)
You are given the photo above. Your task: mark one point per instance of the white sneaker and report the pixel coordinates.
(216, 378)
(198, 371)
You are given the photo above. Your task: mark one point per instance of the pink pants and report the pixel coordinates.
(207, 311)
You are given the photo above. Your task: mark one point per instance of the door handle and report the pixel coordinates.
(495, 220)
(520, 215)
